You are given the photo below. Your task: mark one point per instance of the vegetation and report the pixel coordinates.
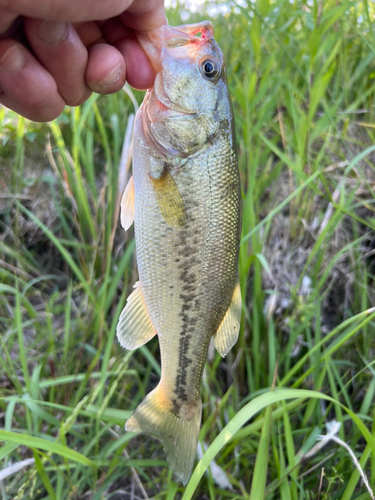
(301, 75)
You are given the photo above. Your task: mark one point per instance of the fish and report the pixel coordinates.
(185, 200)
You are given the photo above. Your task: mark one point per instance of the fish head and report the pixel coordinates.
(189, 101)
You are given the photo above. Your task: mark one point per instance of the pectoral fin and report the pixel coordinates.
(134, 327)
(169, 200)
(127, 205)
(227, 334)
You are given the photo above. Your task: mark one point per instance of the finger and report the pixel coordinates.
(139, 72)
(145, 15)
(26, 87)
(7, 18)
(105, 73)
(66, 10)
(61, 51)
(89, 33)
(113, 30)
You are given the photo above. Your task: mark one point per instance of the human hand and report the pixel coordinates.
(56, 52)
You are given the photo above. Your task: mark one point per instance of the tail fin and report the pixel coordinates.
(179, 435)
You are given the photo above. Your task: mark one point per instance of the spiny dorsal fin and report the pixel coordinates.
(134, 327)
(127, 205)
(227, 334)
(169, 199)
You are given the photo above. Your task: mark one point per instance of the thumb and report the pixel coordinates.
(145, 15)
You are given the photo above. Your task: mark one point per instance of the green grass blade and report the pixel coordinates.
(42, 444)
(43, 475)
(258, 485)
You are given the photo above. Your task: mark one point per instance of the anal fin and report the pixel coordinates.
(135, 327)
(227, 334)
(127, 205)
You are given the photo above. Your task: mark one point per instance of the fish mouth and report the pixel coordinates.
(152, 42)
(165, 38)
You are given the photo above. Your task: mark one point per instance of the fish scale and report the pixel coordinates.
(185, 200)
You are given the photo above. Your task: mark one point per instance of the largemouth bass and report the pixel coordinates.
(184, 198)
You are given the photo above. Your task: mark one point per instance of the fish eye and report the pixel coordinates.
(210, 68)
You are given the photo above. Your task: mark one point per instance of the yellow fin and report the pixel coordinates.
(169, 199)
(179, 435)
(127, 205)
(134, 327)
(227, 334)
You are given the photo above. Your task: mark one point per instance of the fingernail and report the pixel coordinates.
(110, 79)
(52, 32)
(13, 59)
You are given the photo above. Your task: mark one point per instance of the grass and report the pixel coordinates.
(301, 75)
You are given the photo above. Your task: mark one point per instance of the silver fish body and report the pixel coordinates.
(185, 198)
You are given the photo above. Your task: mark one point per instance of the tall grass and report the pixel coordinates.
(301, 75)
